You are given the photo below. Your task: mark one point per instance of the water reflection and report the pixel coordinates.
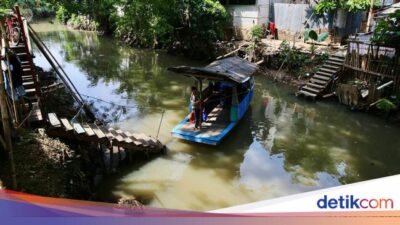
(283, 145)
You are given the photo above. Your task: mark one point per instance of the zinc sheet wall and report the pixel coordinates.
(291, 17)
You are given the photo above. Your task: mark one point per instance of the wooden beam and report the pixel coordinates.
(6, 125)
(53, 119)
(67, 124)
(366, 71)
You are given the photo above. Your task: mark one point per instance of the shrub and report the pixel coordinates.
(385, 105)
(62, 15)
(256, 33)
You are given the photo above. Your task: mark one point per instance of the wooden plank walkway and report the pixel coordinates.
(92, 133)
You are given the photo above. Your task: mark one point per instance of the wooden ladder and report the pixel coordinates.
(93, 133)
(29, 76)
(320, 81)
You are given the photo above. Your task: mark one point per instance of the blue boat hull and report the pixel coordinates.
(205, 138)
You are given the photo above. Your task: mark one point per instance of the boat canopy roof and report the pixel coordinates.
(232, 68)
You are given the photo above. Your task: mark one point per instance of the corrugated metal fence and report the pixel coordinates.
(291, 17)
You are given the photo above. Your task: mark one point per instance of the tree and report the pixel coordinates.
(327, 6)
(387, 31)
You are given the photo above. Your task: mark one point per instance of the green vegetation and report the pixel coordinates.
(80, 22)
(385, 105)
(30, 8)
(387, 31)
(296, 62)
(256, 33)
(190, 27)
(311, 34)
(184, 26)
(326, 6)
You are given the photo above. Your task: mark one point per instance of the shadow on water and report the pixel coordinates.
(284, 144)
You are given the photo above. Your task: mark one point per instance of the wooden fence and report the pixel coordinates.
(375, 64)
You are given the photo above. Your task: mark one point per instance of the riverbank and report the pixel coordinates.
(48, 167)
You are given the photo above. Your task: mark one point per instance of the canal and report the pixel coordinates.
(283, 146)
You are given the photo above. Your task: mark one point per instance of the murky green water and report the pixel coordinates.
(284, 145)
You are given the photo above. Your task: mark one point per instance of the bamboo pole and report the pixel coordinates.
(5, 44)
(6, 125)
(370, 14)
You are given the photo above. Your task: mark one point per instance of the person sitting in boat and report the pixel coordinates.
(196, 107)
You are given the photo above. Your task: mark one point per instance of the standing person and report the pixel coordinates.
(195, 100)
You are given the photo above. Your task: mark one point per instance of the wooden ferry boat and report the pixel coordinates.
(225, 99)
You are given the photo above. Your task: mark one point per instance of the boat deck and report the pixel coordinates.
(215, 124)
(212, 131)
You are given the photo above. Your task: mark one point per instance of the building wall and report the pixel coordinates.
(246, 16)
(289, 17)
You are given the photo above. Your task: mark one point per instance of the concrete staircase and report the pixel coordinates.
(319, 82)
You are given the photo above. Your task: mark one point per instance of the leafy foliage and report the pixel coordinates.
(387, 31)
(256, 33)
(30, 8)
(385, 105)
(62, 15)
(311, 34)
(326, 6)
(189, 25)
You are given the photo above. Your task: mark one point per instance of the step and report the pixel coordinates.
(139, 138)
(78, 128)
(117, 136)
(136, 142)
(27, 76)
(317, 86)
(126, 138)
(328, 70)
(53, 120)
(67, 125)
(30, 91)
(89, 131)
(18, 46)
(306, 93)
(312, 90)
(27, 84)
(322, 77)
(322, 82)
(106, 132)
(97, 131)
(337, 63)
(22, 54)
(36, 115)
(322, 73)
(337, 56)
(330, 66)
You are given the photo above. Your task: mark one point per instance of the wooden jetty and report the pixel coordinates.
(320, 82)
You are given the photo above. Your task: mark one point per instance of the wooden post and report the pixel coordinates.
(201, 98)
(5, 45)
(6, 124)
(103, 163)
(119, 155)
(111, 157)
(370, 14)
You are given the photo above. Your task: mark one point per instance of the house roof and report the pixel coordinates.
(391, 9)
(233, 68)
